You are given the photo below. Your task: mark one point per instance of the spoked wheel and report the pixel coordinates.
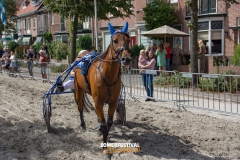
(121, 113)
(47, 115)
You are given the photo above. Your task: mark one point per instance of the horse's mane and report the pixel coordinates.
(102, 55)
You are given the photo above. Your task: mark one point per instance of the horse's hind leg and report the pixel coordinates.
(78, 94)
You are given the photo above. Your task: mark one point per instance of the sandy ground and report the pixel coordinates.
(162, 132)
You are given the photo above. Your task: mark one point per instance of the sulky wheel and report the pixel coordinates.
(121, 112)
(47, 115)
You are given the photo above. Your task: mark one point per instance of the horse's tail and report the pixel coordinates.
(87, 105)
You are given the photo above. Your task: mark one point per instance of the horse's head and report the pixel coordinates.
(120, 44)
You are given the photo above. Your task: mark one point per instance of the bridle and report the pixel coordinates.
(124, 47)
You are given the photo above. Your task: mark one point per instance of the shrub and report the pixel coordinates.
(84, 42)
(58, 50)
(222, 84)
(135, 50)
(236, 56)
(58, 69)
(12, 45)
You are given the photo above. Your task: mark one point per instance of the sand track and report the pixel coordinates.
(162, 133)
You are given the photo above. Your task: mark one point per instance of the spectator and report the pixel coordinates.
(45, 49)
(6, 63)
(32, 51)
(148, 78)
(154, 48)
(29, 57)
(148, 48)
(168, 55)
(1, 53)
(6, 53)
(142, 59)
(161, 57)
(43, 65)
(177, 55)
(201, 55)
(13, 63)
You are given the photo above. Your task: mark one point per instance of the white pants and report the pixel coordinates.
(68, 85)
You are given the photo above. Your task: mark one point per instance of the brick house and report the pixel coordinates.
(34, 20)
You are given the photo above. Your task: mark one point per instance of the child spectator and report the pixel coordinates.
(142, 59)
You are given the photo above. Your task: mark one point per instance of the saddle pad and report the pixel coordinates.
(85, 62)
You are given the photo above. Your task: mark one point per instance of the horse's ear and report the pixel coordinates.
(110, 28)
(125, 28)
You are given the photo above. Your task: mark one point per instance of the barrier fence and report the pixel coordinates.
(216, 92)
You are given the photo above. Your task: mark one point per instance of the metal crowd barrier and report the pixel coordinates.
(215, 92)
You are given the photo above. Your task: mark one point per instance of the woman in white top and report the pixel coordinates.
(13, 63)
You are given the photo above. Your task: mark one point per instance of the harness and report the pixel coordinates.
(117, 58)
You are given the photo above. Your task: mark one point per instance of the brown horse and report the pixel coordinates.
(103, 81)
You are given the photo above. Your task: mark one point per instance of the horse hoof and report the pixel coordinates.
(106, 154)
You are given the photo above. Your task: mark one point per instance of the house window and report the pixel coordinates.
(216, 25)
(208, 6)
(63, 24)
(149, 1)
(177, 40)
(173, 1)
(34, 23)
(27, 24)
(52, 19)
(19, 26)
(203, 25)
(211, 32)
(86, 23)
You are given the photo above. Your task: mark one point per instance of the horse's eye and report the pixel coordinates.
(115, 41)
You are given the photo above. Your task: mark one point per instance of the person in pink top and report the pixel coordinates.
(148, 78)
(168, 56)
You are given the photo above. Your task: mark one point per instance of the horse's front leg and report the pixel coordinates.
(103, 127)
(111, 111)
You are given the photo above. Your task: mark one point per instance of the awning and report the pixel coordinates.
(39, 39)
(20, 41)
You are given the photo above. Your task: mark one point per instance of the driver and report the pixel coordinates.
(70, 83)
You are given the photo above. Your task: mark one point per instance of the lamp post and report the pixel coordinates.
(96, 23)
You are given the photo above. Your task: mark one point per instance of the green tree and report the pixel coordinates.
(236, 56)
(12, 45)
(79, 9)
(47, 37)
(11, 8)
(58, 50)
(84, 42)
(159, 13)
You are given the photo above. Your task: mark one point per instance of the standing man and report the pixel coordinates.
(43, 65)
(45, 49)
